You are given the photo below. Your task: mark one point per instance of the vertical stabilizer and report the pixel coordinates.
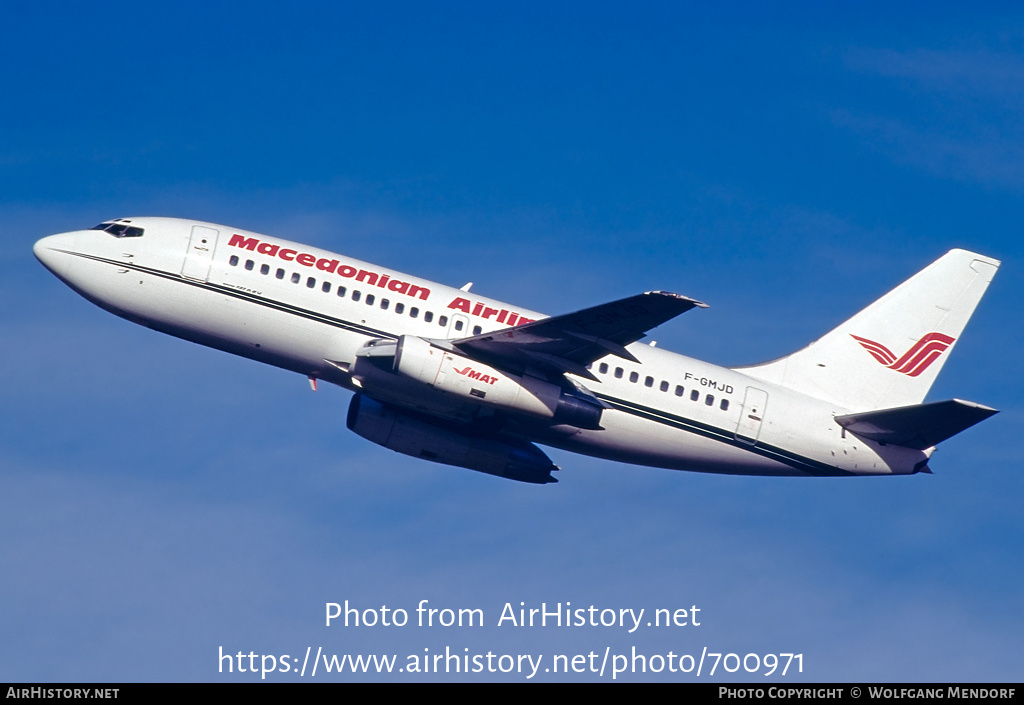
(890, 353)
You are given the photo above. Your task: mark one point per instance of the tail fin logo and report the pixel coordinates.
(914, 361)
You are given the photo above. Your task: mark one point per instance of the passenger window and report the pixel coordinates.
(279, 274)
(370, 298)
(413, 312)
(326, 288)
(264, 269)
(603, 369)
(428, 316)
(694, 395)
(634, 376)
(384, 303)
(618, 373)
(725, 405)
(341, 291)
(356, 295)
(477, 330)
(458, 325)
(664, 386)
(679, 390)
(709, 400)
(649, 382)
(442, 321)
(399, 308)
(295, 277)
(233, 261)
(249, 264)
(310, 282)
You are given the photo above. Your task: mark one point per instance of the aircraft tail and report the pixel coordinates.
(889, 354)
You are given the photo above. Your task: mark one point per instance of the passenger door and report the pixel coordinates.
(199, 256)
(755, 402)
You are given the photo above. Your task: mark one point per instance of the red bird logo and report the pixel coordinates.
(914, 361)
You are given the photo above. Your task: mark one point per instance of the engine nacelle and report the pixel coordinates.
(410, 435)
(416, 359)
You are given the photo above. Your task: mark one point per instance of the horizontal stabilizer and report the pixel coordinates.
(919, 426)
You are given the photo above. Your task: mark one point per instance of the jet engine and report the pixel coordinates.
(470, 380)
(410, 435)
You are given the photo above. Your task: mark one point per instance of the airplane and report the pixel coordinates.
(443, 374)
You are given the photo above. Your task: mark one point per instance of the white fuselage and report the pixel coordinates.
(310, 311)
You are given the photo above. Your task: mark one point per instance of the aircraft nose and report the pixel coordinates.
(55, 252)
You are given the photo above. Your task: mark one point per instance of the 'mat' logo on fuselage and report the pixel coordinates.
(475, 374)
(914, 361)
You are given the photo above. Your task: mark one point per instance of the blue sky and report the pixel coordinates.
(161, 500)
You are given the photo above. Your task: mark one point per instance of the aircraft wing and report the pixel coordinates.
(568, 343)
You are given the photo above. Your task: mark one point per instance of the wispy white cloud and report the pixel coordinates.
(988, 156)
(997, 75)
(958, 114)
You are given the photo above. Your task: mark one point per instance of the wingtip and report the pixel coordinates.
(673, 295)
(976, 405)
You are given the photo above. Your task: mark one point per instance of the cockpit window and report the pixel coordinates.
(120, 229)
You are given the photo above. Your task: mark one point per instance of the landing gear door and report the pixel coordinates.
(199, 255)
(752, 415)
